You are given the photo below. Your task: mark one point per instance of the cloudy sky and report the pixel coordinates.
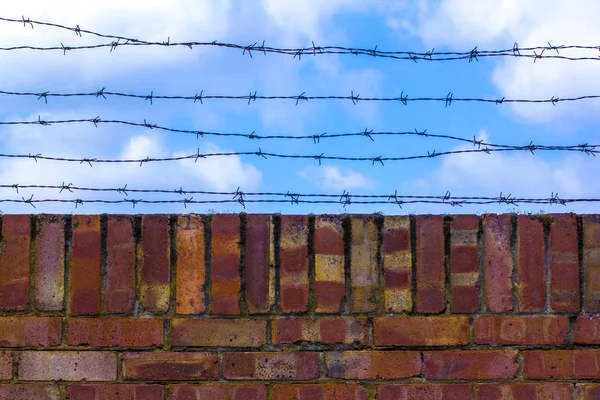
(446, 25)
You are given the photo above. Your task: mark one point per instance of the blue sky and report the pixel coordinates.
(447, 25)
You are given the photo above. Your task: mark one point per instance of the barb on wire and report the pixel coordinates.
(535, 53)
(448, 100)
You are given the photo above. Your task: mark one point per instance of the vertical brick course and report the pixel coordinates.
(431, 292)
(260, 272)
(155, 269)
(14, 262)
(564, 264)
(364, 272)
(498, 262)
(329, 264)
(85, 265)
(464, 264)
(397, 265)
(49, 285)
(191, 269)
(119, 294)
(591, 262)
(225, 277)
(531, 265)
(293, 274)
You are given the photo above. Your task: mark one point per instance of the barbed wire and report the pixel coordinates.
(316, 138)
(474, 54)
(252, 97)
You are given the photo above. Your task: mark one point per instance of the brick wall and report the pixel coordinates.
(299, 307)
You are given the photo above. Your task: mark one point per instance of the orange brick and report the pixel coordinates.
(431, 294)
(115, 332)
(424, 392)
(421, 331)
(497, 262)
(225, 277)
(293, 275)
(534, 330)
(373, 364)
(155, 269)
(113, 392)
(470, 364)
(531, 265)
(329, 264)
(364, 276)
(49, 283)
(297, 366)
(322, 330)
(29, 392)
(67, 366)
(190, 265)
(219, 332)
(397, 264)
(332, 391)
(219, 392)
(119, 294)
(587, 391)
(22, 331)
(85, 265)
(260, 264)
(170, 366)
(564, 264)
(14, 262)
(561, 364)
(518, 391)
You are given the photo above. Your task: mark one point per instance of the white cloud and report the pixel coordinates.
(335, 178)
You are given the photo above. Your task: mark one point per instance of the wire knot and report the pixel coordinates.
(29, 201)
(199, 97)
(66, 187)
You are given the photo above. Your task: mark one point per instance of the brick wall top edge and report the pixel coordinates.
(311, 214)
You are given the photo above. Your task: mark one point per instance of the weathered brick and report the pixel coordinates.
(421, 331)
(219, 392)
(225, 277)
(260, 264)
(14, 262)
(322, 330)
(373, 364)
(49, 283)
(464, 264)
(170, 366)
(561, 364)
(113, 392)
(529, 391)
(329, 264)
(331, 391)
(364, 276)
(397, 264)
(21, 331)
(85, 265)
(470, 364)
(587, 391)
(154, 271)
(497, 262)
(431, 296)
(587, 330)
(116, 332)
(534, 330)
(564, 264)
(531, 265)
(297, 366)
(424, 392)
(219, 332)
(119, 294)
(6, 361)
(67, 366)
(30, 392)
(591, 262)
(293, 276)
(191, 269)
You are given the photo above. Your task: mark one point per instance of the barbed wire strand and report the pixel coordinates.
(474, 54)
(252, 97)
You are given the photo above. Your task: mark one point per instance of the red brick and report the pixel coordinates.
(30, 392)
(470, 364)
(190, 265)
(14, 262)
(587, 391)
(112, 392)
(323, 330)
(155, 269)
(534, 330)
(525, 391)
(424, 392)
(297, 366)
(219, 332)
(561, 364)
(421, 331)
(464, 264)
(329, 264)
(115, 332)
(531, 265)
(364, 276)
(260, 268)
(22, 331)
(564, 264)
(67, 366)
(587, 330)
(170, 366)
(219, 392)
(293, 276)
(85, 265)
(370, 365)
(226, 283)
(591, 262)
(332, 391)
(431, 295)
(119, 294)
(49, 283)
(6, 365)
(497, 262)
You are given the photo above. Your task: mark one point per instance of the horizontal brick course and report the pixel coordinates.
(296, 366)
(23, 331)
(219, 392)
(421, 331)
(170, 366)
(67, 366)
(373, 364)
(322, 330)
(219, 332)
(116, 332)
(119, 391)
